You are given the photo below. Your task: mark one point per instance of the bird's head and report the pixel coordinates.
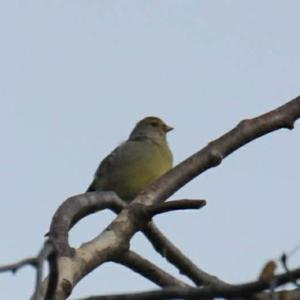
(151, 127)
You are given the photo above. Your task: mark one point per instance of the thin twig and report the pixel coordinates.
(293, 251)
(36, 262)
(31, 261)
(147, 269)
(176, 205)
(53, 273)
(185, 266)
(283, 260)
(43, 255)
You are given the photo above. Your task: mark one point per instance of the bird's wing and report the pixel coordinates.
(109, 160)
(104, 167)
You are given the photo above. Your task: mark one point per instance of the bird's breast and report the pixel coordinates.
(141, 169)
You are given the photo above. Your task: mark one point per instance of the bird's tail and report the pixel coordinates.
(91, 187)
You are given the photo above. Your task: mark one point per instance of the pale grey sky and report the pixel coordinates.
(75, 76)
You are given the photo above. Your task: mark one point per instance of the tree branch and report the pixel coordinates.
(43, 255)
(176, 205)
(280, 295)
(46, 253)
(114, 240)
(74, 209)
(147, 269)
(31, 261)
(283, 260)
(213, 154)
(239, 290)
(185, 266)
(77, 207)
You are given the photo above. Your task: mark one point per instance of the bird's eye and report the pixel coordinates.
(154, 124)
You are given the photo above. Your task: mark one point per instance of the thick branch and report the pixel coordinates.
(280, 295)
(74, 209)
(240, 290)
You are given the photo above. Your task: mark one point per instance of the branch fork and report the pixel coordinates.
(68, 266)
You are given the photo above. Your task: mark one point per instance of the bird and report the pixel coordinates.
(137, 162)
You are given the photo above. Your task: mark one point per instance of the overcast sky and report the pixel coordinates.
(75, 76)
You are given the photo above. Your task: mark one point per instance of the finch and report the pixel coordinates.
(137, 162)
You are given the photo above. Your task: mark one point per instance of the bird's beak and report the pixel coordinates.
(168, 128)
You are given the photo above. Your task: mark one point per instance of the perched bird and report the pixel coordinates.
(137, 162)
